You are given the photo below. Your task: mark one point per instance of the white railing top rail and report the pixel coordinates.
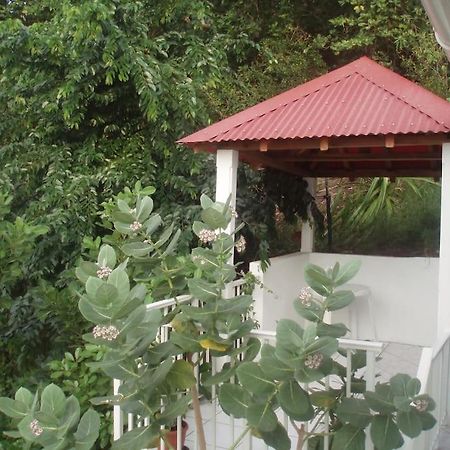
(161, 304)
(347, 344)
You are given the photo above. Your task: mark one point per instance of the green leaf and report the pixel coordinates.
(354, 411)
(413, 387)
(409, 423)
(224, 375)
(277, 438)
(53, 400)
(385, 433)
(119, 279)
(347, 272)
(234, 400)
(136, 439)
(90, 314)
(399, 384)
(144, 209)
(13, 408)
(379, 403)
(349, 438)
(261, 417)
(325, 399)
(335, 330)
(213, 218)
(107, 257)
(338, 300)
(137, 249)
(70, 417)
(272, 366)
(181, 375)
(325, 345)
(205, 201)
(202, 290)
(254, 379)
(153, 224)
(318, 280)
(289, 334)
(25, 396)
(427, 420)
(252, 347)
(175, 409)
(87, 431)
(295, 401)
(313, 312)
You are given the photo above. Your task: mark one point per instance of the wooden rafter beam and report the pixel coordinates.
(338, 142)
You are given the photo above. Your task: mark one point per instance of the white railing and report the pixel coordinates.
(348, 346)
(433, 373)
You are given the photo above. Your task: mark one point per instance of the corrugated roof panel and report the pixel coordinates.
(362, 98)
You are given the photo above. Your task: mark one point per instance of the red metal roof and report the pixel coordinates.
(360, 99)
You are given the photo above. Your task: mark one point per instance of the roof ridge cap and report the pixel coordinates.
(402, 99)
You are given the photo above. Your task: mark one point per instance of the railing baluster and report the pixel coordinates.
(117, 414)
(348, 381)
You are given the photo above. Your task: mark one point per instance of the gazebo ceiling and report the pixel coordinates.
(359, 120)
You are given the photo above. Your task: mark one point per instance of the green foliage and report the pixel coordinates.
(76, 378)
(384, 217)
(50, 420)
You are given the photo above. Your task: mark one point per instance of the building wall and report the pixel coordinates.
(404, 295)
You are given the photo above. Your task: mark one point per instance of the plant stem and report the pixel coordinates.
(239, 439)
(198, 418)
(301, 435)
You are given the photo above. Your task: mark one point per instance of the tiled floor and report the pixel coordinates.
(395, 358)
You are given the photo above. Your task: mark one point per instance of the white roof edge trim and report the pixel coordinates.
(438, 12)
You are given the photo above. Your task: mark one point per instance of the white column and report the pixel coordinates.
(444, 251)
(226, 179)
(307, 244)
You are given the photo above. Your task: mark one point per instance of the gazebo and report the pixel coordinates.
(361, 120)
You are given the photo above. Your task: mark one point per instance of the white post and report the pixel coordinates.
(444, 251)
(307, 244)
(226, 179)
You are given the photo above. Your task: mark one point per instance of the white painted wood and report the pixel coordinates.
(307, 243)
(444, 252)
(117, 414)
(227, 162)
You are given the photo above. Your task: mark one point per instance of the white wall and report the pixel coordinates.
(404, 294)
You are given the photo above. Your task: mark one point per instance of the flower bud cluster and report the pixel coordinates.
(241, 244)
(421, 405)
(35, 428)
(109, 333)
(136, 226)
(104, 272)
(207, 236)
(305, 297)
(314, 361)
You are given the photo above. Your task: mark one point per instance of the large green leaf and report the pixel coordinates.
(175, 409)
(349, 438)
(213, 218)
(295, 401)
(347, 272)
(70, 417)
(379, 403)
(399, 384)
(119, 279)
(312, 312)
(136, 439)
(107, 257)
(338, 300)
(289, 334)
(181, 375)
(385, 433)
(272, 366)
(137, 249)
(234, 400)
(87, 431)
(325, 345)
(277, 438)
(25, 396)
(13, 408)
(409, 423)
(318, 280)
(254, 379)
(427, 420)
(354, 411)
(335, 330)
(53, 400)
(261, 417)
(203, 290)
(144, 207)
